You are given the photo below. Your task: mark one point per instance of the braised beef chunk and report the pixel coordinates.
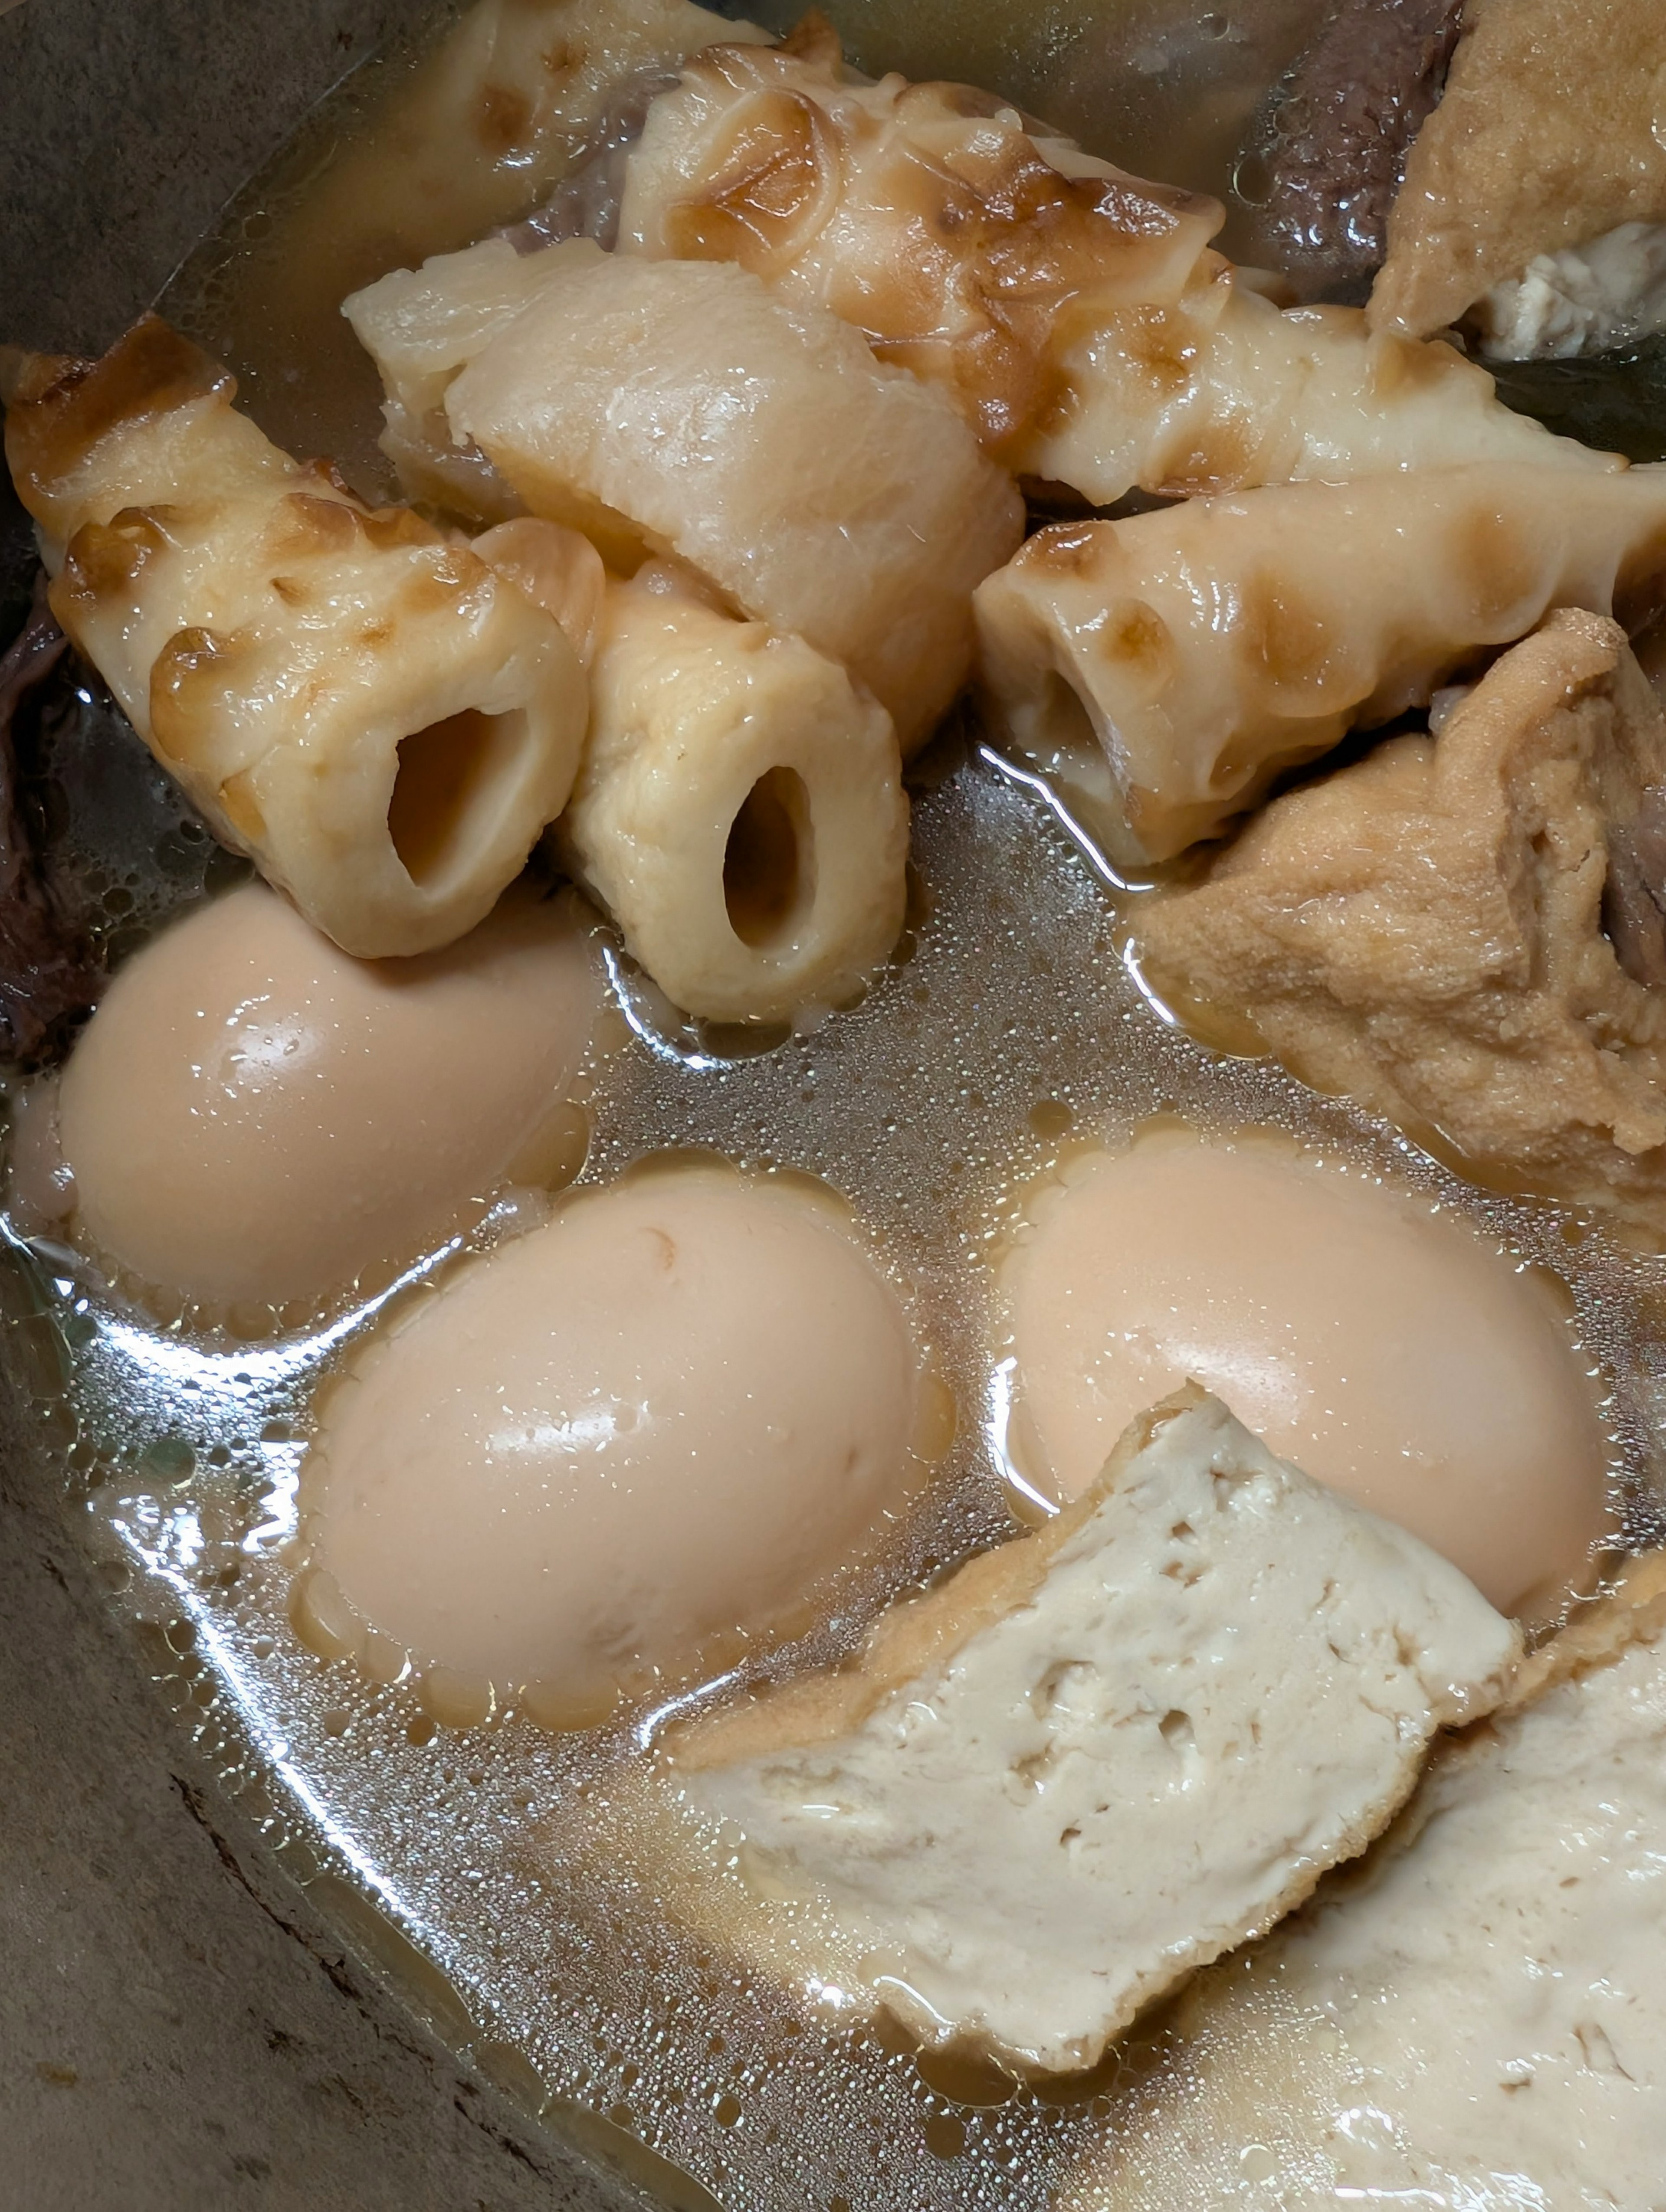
(49, 973)
(1334, 150)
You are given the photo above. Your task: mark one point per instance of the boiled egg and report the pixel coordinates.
(1381, 1345)
(636, 1438)
(252, 1120)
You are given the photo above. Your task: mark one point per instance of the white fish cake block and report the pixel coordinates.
(1099, 1757)
(420, 326)
(758, 440)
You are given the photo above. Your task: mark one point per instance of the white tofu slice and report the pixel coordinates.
(1101, 1756)
(1477, 2018)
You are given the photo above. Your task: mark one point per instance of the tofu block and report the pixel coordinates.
(1100, 1756)
(1475, 2018)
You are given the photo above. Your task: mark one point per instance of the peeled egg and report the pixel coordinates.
(1384, 1349)
(254, 1118)
(646, 1430)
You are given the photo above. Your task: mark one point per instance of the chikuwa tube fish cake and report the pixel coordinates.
(496, 116)
(966, 247)
(1076, 315)
(380, 719)
(1163, 671)
(740, 808)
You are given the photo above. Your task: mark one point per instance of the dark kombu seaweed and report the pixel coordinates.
(1616, 401)
(49, 971)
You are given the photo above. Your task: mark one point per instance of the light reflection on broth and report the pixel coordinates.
(1015, 1026)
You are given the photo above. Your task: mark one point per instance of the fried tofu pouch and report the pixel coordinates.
(1163, 671)
(1547, 139)
(358, 701)
(1465, 932)
(1075, 314)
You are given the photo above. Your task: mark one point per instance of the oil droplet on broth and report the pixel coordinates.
(965, 2078)
(1257, 2163)
(1050, 1118)
(945, 2135)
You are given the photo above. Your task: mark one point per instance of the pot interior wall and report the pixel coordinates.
(180, 2027)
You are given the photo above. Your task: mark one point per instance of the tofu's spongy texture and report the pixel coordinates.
(1100, 1756)
(1476, 2016)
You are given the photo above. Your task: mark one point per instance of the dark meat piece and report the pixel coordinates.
(585, 205)
(1335, 150)
(1634, 897)
(49, 974)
